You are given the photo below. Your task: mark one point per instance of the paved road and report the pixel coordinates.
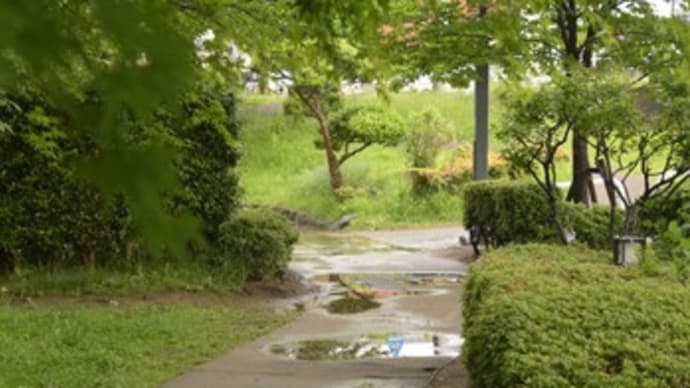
(424, 261)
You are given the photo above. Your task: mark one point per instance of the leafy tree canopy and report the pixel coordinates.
(104, 62)
(356, 128)
(447, 38)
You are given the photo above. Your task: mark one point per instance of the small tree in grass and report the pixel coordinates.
(344, 132)
(634, 131)
(354, 129)
(646, 133)
(537, 125)
(317, 101)
(316, 46)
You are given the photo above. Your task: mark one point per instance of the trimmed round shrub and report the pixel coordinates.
(257, 242)
(544, 316)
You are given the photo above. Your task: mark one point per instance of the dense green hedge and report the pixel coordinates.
(504, 212)
(50, 216)
(590, 224)
(507, 211)
(207, 134)
(546, 316)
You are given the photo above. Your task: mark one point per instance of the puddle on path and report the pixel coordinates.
(349, 305)
(356, 293)
(341, 245)
(438, 279)
(326, 278)
(388, 280)
(334, 245)
(308, 259)
(379, 286)
(393, 346)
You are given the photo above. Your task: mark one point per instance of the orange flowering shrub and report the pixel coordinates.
(458, 169)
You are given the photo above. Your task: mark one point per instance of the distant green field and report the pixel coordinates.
(282, 166)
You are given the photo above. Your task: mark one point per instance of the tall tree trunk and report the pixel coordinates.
(578, 187)
(334, 173)
(556, 218)
(6, 262)
(312, 100)
(582, 184)
(568, 19)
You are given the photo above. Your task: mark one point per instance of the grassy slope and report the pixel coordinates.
(138, 345)
(282, 166)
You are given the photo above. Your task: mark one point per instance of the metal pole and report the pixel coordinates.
(481, 119)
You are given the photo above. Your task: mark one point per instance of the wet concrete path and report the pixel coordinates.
(413, 279)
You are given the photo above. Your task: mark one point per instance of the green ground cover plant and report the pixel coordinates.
(547, 316)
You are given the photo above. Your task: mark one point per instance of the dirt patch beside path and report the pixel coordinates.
(290, 285)
(200, 298)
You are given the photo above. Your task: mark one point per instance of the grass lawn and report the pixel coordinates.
(96, 328)
(134, 345)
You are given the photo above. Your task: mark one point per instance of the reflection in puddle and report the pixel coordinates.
(433, 279)
(379, 286)
(411, 345)
(417, 292)
(351, 305)
(388, 280)
(330, 245)
(326, 278)
(329, 350)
